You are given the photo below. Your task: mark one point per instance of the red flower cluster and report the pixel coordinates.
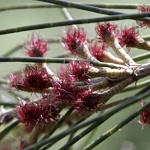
(41, 111)
(79, 70)
(31, 80)
(87, 101)
(74, 39)
(36, 47)
(106, 30)
(68, 93)
(128, 37)
(98, 50)
(65, 89)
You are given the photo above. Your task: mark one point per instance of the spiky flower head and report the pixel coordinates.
(98, 50)
(106, 31)
(79, 70)
(42, 111)
(128, 36)
(32, 79)
(65, 88)
(87, 101)
(143, 8)
(36, 46)
(74, 39)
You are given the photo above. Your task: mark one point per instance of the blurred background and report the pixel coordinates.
(130, 137)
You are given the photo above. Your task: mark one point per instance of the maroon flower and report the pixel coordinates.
(143, 8)
(31, 80)
(35, 47)
(106, 30)
(87, 101)
(74, 39)
(65, 88)
(28, 113)
(98, 51)
(144, 116)
(128, 37)
(79, 70)
(41, 111)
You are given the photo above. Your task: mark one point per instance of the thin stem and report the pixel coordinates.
(60, 122)
(105, 5)
(6, 117)
(117, 127)
(27, 6)
(136, 86)
(52, 143)
(143, 90)
(72, 22)
(71, 136)
(141, 57)
(100, 119)
(13, 50)
(90, 136)
(66, 14)
(35, 134)
(146, 37)
(56, 60)
(7, 104)
(116, 5)
(108, 5)
(5, 131)
(106, 106)
(85, 7)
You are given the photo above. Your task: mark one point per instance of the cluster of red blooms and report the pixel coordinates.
(31, 79)
(42, 111)
(73, 86)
